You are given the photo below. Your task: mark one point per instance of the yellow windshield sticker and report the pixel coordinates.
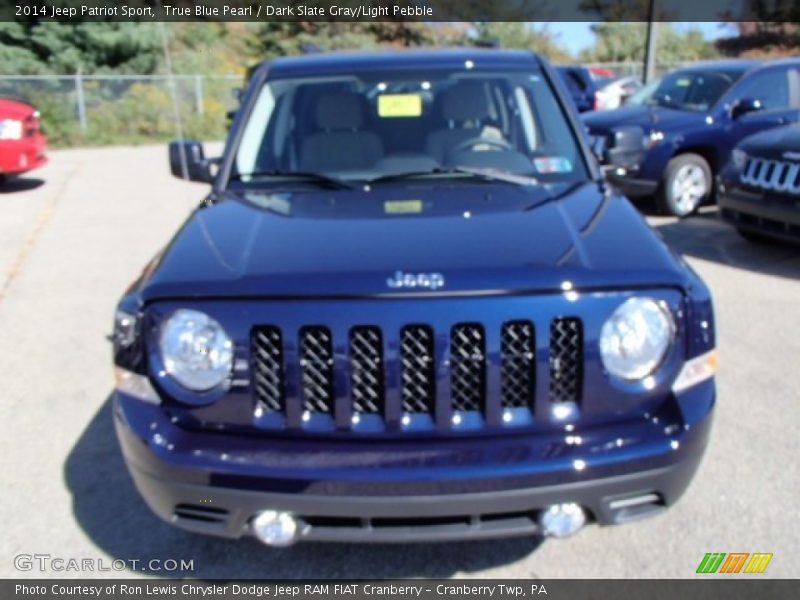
(399, 105)
(402, 207)
(685, 82)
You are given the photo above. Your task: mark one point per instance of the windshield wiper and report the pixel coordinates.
(489, 174)
(310, 176)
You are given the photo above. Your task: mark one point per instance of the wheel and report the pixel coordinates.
(686, 185)
(752, 236)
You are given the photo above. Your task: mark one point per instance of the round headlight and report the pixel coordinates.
(195, 350)
(739, 158)
(635, 339)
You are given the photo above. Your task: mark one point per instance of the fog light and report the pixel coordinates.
(275, 528)
(562, 520)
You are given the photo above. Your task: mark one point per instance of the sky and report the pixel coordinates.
(576, 36)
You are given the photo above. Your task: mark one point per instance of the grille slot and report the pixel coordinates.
(518, 358)
(468, 367)
(775, 175)
(366, 370)
(195, 512)
(417, 366)
(566, 360)
(269, 378)
(316, 364)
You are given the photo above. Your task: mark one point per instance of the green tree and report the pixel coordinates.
(625, 42)
(290, 38)
(523, 36)
(31, 47)
(762, 38)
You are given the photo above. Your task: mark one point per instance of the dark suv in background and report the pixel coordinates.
(677, 142)
(759, 191)
(410, 308)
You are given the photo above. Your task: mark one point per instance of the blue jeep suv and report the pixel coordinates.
(690, 124)
(410, 308)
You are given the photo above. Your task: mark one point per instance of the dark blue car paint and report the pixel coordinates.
(713, 134)
(756, 208)
(583, 94)
(507, 252)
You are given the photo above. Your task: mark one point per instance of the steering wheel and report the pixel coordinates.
(498, 144)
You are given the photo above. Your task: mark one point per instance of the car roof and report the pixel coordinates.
(737, 65)
(565, 68)
(347, 62)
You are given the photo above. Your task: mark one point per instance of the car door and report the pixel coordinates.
(778, 89)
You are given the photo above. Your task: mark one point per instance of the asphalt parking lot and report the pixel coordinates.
(75, 233)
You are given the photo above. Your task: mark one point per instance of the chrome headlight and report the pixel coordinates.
(195, 350)
(739, 158)
(635, 338)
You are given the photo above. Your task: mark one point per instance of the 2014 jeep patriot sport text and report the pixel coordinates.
(410, 309)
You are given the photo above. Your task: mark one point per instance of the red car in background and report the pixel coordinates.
(22, 143)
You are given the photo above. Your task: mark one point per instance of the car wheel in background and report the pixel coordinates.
(687, 184)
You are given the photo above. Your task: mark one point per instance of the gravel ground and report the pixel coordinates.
(75, 233)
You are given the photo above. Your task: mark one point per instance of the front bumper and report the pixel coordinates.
(775, 215)
(368, 490)
(630, 186)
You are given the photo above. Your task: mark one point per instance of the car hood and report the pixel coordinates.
(775, 143)
(481, 239)
(647, 117)
(13, 109)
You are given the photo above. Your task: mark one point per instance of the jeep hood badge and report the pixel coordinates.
(430, 281)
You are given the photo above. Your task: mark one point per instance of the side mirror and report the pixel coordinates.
(628, 148)
(744, 106)
(187, 161)
(229, 117)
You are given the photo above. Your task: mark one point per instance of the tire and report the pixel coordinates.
(753, 237)
(687, 184)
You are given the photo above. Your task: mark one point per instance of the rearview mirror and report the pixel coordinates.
(187, 161)
(746, 105)
(628, 148)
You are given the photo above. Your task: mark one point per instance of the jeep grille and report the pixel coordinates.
(422, 362)
(775, 175)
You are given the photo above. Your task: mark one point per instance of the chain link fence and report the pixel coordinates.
(118, 109)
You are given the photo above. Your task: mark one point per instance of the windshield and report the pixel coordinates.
(644, 94)
(692, 90)
(370, 127)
